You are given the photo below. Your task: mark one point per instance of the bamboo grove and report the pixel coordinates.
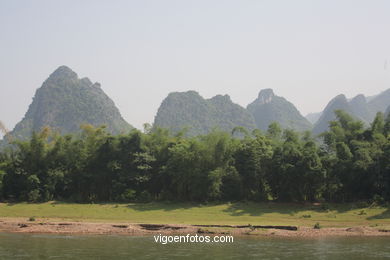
(350, 162)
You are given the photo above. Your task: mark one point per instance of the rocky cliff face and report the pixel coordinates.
(189, 110)
(268, 108)
(64, 102)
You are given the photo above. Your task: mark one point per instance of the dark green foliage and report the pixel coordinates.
(252, 160)
(296, 173)
(357, 163)
(351, 163)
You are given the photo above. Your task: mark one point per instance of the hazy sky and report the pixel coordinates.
(307, 51)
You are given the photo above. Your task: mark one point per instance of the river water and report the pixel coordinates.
(34, 246)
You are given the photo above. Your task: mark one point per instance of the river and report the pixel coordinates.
(39, 246)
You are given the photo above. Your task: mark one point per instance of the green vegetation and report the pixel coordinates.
(358, 107)
(380, 102)
(322, 124)
(339, 215)
(64, 102)
(268, 108)
(200, 116)
(351, 164)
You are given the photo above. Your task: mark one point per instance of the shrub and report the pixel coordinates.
(362, 204)
(378, 199)
(31, 219)
(34, 195)
(144, 196)
(317, 226)
(362, 212)
(325, 206)
(128, 195)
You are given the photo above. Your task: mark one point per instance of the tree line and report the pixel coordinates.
(349, 162)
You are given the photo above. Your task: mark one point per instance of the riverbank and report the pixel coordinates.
(252, 219)
(15, 225)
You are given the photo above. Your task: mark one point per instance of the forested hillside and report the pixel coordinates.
(340, 102)
(352, 163)
(188, 110)
(359, 107)
(64, 102)
(269, 108)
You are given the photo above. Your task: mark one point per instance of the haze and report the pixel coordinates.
(307, 51)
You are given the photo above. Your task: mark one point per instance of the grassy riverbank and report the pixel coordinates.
(333, 215)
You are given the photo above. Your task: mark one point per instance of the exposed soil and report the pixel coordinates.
(18, 225)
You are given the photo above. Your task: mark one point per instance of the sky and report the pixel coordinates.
(306, 51)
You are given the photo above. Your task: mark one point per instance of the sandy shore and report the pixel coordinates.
(67, 227)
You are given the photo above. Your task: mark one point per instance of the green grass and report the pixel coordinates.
(338, 215)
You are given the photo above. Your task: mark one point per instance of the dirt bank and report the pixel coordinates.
(18, 225)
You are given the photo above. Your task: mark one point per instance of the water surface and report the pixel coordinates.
(33, 246)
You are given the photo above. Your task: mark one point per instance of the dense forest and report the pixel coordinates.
(350, 162)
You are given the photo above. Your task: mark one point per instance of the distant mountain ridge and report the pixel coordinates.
(189, 110)
(313, 117)
(380, 102)
(339, 102)
(199, 115)
(64, 102)
(358, 107)
(268, 108)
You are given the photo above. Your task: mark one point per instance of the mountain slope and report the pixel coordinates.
(379, 102)
(189, 110)
(313, 117)
(358, 107)
(64, 102)
(268, 108)
(340, 102)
